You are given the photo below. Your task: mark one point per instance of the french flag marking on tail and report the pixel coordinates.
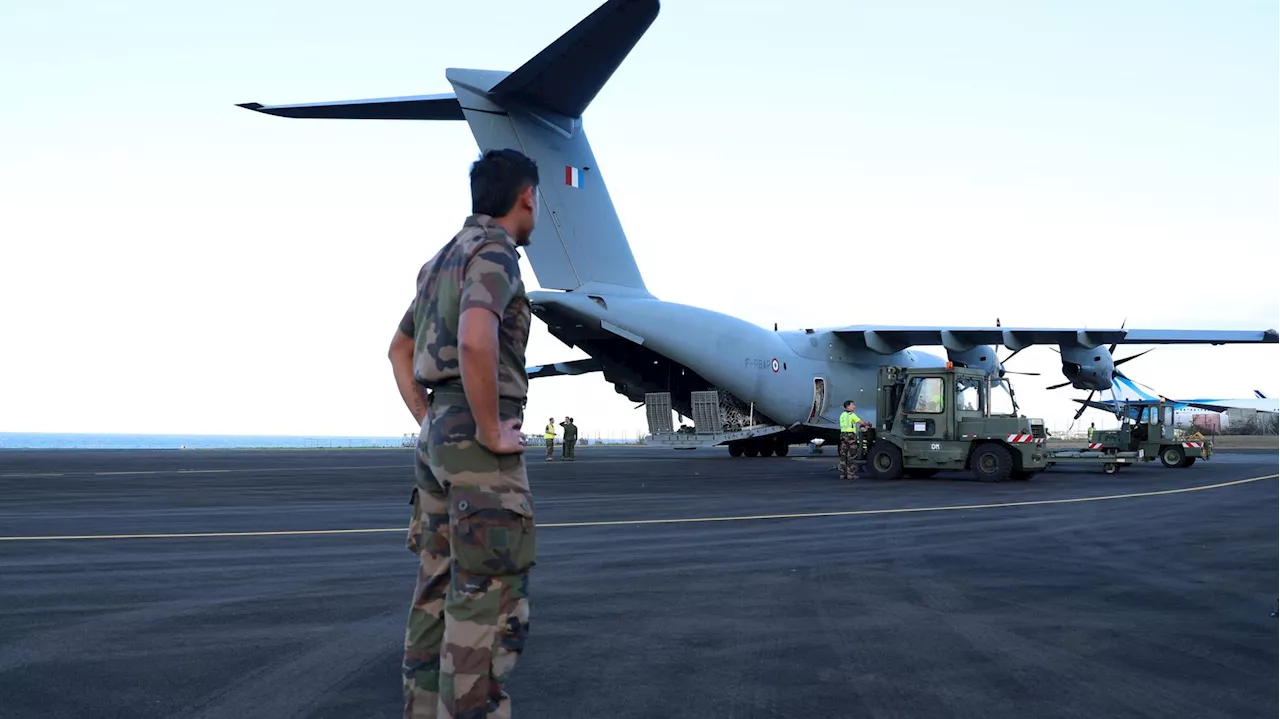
(572, 176)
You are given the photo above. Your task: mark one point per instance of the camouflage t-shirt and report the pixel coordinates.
(479, 267)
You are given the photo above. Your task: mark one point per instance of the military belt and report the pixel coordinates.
(453, 393)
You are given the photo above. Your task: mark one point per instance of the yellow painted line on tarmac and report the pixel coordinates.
(688, 520)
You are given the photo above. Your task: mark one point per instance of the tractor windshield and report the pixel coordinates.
(970, 400)
(1001, 402)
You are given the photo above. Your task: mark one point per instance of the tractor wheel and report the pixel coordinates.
(992, 463)
(885, 461)
(735, 450)
(781, 449)
(1188, 462)
(1110, 468)
(1172, 456)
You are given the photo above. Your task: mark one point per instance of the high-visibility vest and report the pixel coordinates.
(849, 422)
(551, 431)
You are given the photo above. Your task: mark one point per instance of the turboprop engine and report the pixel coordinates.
(1088, 368)
(982, 357)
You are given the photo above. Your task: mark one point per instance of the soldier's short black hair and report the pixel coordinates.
(498, 178)
(848, 402)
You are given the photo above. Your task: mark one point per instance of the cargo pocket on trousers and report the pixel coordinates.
(413, 540)
(493, 532)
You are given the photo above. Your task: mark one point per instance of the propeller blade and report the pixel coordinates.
(1028, 374)
(1083, 407)
(1144, 386)
(1134, 357)
(1015, 353)
(1058, 386)
(1113, 346)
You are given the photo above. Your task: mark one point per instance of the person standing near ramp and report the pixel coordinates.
(550, 436)
(464, 338)
(570, 439)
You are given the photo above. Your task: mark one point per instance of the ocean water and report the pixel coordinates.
(31, 440)
(35, 440)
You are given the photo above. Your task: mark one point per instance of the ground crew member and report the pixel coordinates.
(1091, 431)
(550, 436)
(473, 522)
(570, 439)
(849, 423)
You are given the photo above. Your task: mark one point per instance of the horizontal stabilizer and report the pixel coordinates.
(568, 74)
(564, 368)
(415, 107)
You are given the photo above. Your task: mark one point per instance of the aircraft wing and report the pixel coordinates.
(563, 368)
(888, 339)
(1108, 406)
(1104, 406)
(1201, 405)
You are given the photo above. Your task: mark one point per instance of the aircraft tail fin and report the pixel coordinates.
(1132, 390)
(537, 109)
(568, 74)
(579, 243)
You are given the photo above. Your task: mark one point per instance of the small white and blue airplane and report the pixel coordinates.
(1185, 411)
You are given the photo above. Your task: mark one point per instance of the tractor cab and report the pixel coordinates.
(1147, 426)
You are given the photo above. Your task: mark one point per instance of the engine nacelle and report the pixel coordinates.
(1088, 368)
(980, 357)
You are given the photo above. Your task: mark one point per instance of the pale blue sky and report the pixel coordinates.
(172, 263)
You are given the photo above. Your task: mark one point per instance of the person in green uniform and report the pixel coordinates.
(849, 425)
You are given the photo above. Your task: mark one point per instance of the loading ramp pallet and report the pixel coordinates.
(709, 426)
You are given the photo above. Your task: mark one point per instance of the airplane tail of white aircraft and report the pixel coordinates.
(579, 243)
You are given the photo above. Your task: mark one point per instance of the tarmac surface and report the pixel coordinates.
(1075, 594)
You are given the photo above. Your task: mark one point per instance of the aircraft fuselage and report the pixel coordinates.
(648, 345)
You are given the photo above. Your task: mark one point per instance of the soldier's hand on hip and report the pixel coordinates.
(509, 439)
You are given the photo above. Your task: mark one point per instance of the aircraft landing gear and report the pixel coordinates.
(760, 447)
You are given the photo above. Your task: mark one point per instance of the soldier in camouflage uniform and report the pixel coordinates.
(849, 426)
(473, 523)
(570, 439)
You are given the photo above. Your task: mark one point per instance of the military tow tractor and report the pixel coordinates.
(1146, 431)
(933, 419)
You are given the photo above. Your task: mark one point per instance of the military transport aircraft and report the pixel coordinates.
(594, 297)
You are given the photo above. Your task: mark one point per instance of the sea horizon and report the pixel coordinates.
(111, 440)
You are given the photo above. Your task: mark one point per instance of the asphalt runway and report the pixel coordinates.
(1076, 594)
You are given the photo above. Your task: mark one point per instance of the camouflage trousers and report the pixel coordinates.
(848, 454)
(551, 446)
(473, 530)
